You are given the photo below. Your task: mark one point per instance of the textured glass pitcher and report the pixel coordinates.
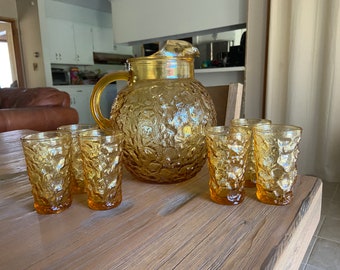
(163, 112)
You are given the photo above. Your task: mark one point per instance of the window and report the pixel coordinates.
(6, 78)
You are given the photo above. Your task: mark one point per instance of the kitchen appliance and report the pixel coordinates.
(60, 76)
(213, 54)
(237, 54)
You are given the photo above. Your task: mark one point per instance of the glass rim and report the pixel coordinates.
(76, 127)
(217, 130)
(43, 136)
(276, 128)
(249, 121)
(100, 133)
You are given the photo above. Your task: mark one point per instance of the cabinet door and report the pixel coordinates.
(103, 42)
(60, 41)
(102, 39)
(80, 100)
(83, 44)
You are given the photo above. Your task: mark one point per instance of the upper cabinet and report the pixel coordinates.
(102, 39)
(103, 42)
(83, 44)
(61, 50)
(68, 42)
(135, 20)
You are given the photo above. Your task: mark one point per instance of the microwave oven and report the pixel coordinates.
(60, 77)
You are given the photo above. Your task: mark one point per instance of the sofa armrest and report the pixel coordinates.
(33, 97)
(37, 118)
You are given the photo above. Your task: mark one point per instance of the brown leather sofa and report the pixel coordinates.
(41, 109)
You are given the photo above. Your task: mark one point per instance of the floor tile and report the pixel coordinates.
(312, 267)
(325, 205)
(336, 196)
(331, 208)
(325, 255)
(324, 249)
(329, 189)
(302, 266)
(330, 229)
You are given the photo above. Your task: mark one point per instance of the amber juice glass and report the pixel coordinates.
(227, 154)
(102, 163)
(76, 166)
(276, 153)
(47, 156)
(250, 173)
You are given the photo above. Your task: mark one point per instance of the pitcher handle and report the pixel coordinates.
(104, 123)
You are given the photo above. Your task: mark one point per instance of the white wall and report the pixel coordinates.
(31, 43)
(8, 9)
(136, 20)
(255, 58)
(59, 10)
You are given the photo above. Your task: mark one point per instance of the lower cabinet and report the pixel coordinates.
(80, 100)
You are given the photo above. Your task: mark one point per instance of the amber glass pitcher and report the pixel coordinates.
(163, 112)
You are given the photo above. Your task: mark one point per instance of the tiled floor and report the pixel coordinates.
(324, 249)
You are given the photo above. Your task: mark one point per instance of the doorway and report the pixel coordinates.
(11, 72)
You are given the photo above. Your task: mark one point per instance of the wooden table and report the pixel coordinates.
(173, 226)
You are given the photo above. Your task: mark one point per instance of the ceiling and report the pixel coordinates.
(100, 5)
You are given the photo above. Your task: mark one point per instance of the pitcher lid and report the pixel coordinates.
(172, 49)
(177, 48)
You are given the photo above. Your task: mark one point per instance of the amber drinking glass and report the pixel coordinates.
(76, 166)
(276, 153)
(227, 154)
(102, 162)
(250, 173)
(47, 156)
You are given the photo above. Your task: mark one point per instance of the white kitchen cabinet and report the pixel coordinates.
(102, 39)
(69, 43)
(80, 100)
(103, 42)
(60, 41)
(83, 44)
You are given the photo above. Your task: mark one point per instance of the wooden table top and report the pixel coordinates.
(171, 226)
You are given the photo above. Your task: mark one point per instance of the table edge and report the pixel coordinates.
(273, 259)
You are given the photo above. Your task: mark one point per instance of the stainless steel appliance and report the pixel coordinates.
(213, 54)
(60, 76)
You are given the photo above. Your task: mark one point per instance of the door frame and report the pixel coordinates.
(17, 50)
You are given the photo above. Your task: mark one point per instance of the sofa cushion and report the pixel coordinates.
(33, 97)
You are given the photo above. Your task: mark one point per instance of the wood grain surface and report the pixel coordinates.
(171, 226)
